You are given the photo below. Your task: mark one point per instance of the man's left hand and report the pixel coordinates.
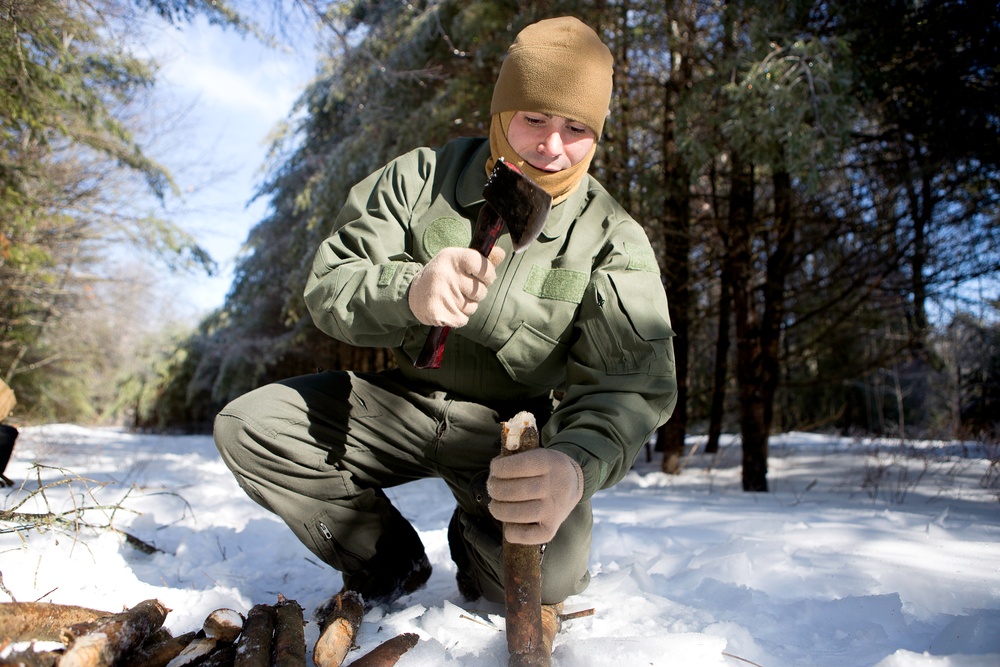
(533, 492)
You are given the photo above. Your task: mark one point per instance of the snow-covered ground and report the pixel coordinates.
(864, 553)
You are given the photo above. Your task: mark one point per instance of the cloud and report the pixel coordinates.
(231, 91)
(227, 72)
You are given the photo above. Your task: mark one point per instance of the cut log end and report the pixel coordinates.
(338, 628)
(520, 433)
(224, 625)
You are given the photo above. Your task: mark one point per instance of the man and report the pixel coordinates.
(581, 312)
(8, 434)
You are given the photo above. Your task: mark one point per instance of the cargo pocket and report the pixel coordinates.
(631, 330)
(323, 543)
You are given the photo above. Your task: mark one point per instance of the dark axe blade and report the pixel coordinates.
(511, 198)
(520, 203)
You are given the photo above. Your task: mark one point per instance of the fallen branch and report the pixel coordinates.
(736, 657)
(389, 652)
(337, 630)
(576, 614)
(69, 521)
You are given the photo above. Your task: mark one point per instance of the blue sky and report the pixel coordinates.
(222, 95)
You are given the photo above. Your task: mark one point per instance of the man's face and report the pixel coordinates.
(549, 143)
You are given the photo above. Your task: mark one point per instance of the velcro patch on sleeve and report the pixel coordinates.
(641, 258)
(385, 274)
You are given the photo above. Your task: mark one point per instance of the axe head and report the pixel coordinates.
(522, 204)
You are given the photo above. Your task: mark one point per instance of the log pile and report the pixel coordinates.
(39, 634)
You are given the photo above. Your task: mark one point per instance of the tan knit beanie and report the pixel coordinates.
(560, 67)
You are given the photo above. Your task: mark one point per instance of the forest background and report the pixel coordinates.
(820, 180)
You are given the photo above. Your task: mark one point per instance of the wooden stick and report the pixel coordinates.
(196, 652)
(253, 649)
(522, 566)
(338, 629)
(389, 652)
(157, 653)
(289, 634)
(43, 621)
(30, 658)
(222, 655)
(116, 636)
(576, 614)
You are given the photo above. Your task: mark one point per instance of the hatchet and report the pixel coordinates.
(512, 199)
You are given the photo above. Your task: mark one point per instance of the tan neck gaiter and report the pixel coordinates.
(559, 184)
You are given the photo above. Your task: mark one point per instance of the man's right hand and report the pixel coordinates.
(447, 291)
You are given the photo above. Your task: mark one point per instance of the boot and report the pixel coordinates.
(381, 588)
(467, 584)
(399, 567)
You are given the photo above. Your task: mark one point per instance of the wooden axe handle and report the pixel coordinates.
(484, 237)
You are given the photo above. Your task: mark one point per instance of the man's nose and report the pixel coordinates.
(551, 144)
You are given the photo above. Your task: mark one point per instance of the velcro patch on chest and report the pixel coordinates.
(558, 284)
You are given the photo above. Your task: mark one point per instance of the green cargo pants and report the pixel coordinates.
(317, 450)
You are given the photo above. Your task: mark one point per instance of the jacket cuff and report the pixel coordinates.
(588, 466)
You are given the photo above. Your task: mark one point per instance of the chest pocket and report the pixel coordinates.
(533, 358)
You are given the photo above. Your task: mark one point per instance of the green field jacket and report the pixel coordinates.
(582, 311)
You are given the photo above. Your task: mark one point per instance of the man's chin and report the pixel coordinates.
(550, 169)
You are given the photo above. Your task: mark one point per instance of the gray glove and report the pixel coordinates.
(448, 289)
(533, 493)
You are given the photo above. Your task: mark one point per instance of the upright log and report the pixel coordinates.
(522, 567)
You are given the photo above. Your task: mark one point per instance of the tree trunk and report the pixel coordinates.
(717, 412)
(779, 264)
(677, 241)
(748, 339)
(522, 567)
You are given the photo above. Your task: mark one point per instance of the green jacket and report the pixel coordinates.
(582, 310)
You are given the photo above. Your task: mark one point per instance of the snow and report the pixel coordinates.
(864, 553)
